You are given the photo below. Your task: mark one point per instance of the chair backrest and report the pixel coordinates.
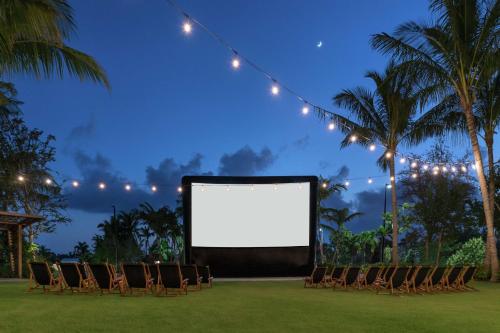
(135, 275)
(204, 272)
(438, 275)
(371, 274)
(83, 271)
(102, 275)
(411, 272)
(399, 276)
(318, 274)
(454, 274)
(469, 274)
(422, 274)
(170, 275)
(153, 272)
(41, 272)
(71, 274)
(190, 272)
(388, 273)
(337, 272)
(352, 275)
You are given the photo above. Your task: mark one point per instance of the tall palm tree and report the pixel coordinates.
(33, 36)
(387, 117)
(338, 216)
(451, 54)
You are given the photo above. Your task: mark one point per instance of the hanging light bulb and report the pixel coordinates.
(102, 186)
(75, 183)
(154, 188)
(444, 169)
(305, 110)
(325, 185)
(48, 181)
(187, 27)
(389, 186)
(370, 181)
(425, 167)
(353, 138)
(388, 155)
(235, 63)
(414, 164)
(372, 147)
(414, 175)
(392, 178)
(331, 126)
(402, 160)
(275, 89)
(128, 187)
(463, 168)
(347, 183)
(453, 169)
(474, 166)
(179, 189)
(21, 178)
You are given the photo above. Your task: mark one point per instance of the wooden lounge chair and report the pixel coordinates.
(436, 278)
(396, 282)
(316, 278)
(206, 277)
(419, 281)
(337, 274)
(41, 276)
(190, 272)
(467, 276)
(171, 279)
(349, 278)
(103, 279)
(71, 277)
(410, 277)
(136, 277)
(452, 279)
(369, 277)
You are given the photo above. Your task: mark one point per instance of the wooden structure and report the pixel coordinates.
(13, 224)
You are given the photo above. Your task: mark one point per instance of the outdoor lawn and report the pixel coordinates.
(251, 307)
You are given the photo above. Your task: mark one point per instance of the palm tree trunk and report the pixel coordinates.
(438, 252)
(394, 203)
(491, 239)
(491, 191)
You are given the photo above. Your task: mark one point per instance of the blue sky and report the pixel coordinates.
(176, 100)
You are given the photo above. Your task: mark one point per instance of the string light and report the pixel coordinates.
(414, 164)
(187, 27)
(388, 155)
(347, 183)
(453, 169)
(463, 168)
(179, 189)
(305, 110)
(75, 183)
(235, 63)
(392, 178)
(372, 147)
(370, 181)
(473, 166)
(48, 181)
(444, 169)
(354, 138)
(414, 175)
(154, 188)
(425, 167)
(128, 187)
(389, 186)
(275, 90)
(402, 160)
(21, 178)
(102, 186)
(325, 185)
(331, 126)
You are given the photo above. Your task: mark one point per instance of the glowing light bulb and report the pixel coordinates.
(370, 181)
(102, 186)
(388, 155)
(128, 187)
(154, 188)
(425, 167)
(453, 169)
(21, 178)
(347, 183)
(305, 110)
(48, 181)
(389, 186)
(435, 172)
(354, 138)
(473, 167)
(414, 165)
(463, 168)
(392, 178)
(372, 147)
(179, 189)
(325, 185)
(275, 90)
(75, 183)
(331, 126)
(414, 176)
(402, 160)
(235, 63)
(187, 27)
(444, 169)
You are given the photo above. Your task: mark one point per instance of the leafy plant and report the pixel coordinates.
(470, 254)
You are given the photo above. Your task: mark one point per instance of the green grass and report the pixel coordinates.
(252, 307)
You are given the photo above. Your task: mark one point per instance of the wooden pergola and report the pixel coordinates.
(13, 224)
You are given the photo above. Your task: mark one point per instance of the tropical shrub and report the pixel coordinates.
(470, 254)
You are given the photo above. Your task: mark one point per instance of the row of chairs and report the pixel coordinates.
(84, 277)
(394, 279)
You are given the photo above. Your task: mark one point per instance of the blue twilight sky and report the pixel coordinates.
(176, 107)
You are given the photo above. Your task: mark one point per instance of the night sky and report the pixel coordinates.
(176, 107)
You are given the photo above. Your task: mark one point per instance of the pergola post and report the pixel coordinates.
(19, 251)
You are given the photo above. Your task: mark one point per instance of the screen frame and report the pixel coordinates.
(187, 207)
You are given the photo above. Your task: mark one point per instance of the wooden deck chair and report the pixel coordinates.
(396, 282)
(350, 278)
(103, 279)
(467, 276)
(87, 280)
(136, 277)
(452, 279)
(369, 277)
(337, 274)
(154, 276)
(410, 277)
(384, 276)
(71, 277)
(206, 277)
(316, 278)
(327, 280)
(419, 281)
(171, 279)
(190, 272)
(435, 280)
(41, 276)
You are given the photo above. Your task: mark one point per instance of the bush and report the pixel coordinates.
(470, 254)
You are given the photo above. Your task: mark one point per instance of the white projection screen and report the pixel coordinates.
(250, 215)
(250, 226)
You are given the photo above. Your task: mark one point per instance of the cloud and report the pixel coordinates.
(302, 143)
(245, 162)
(98, 168)
(336, 200)
(371, 204)
(82, 131)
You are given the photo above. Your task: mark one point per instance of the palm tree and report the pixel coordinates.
(451, 55)
(386, 117)
(33, 37)
(338, 216)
